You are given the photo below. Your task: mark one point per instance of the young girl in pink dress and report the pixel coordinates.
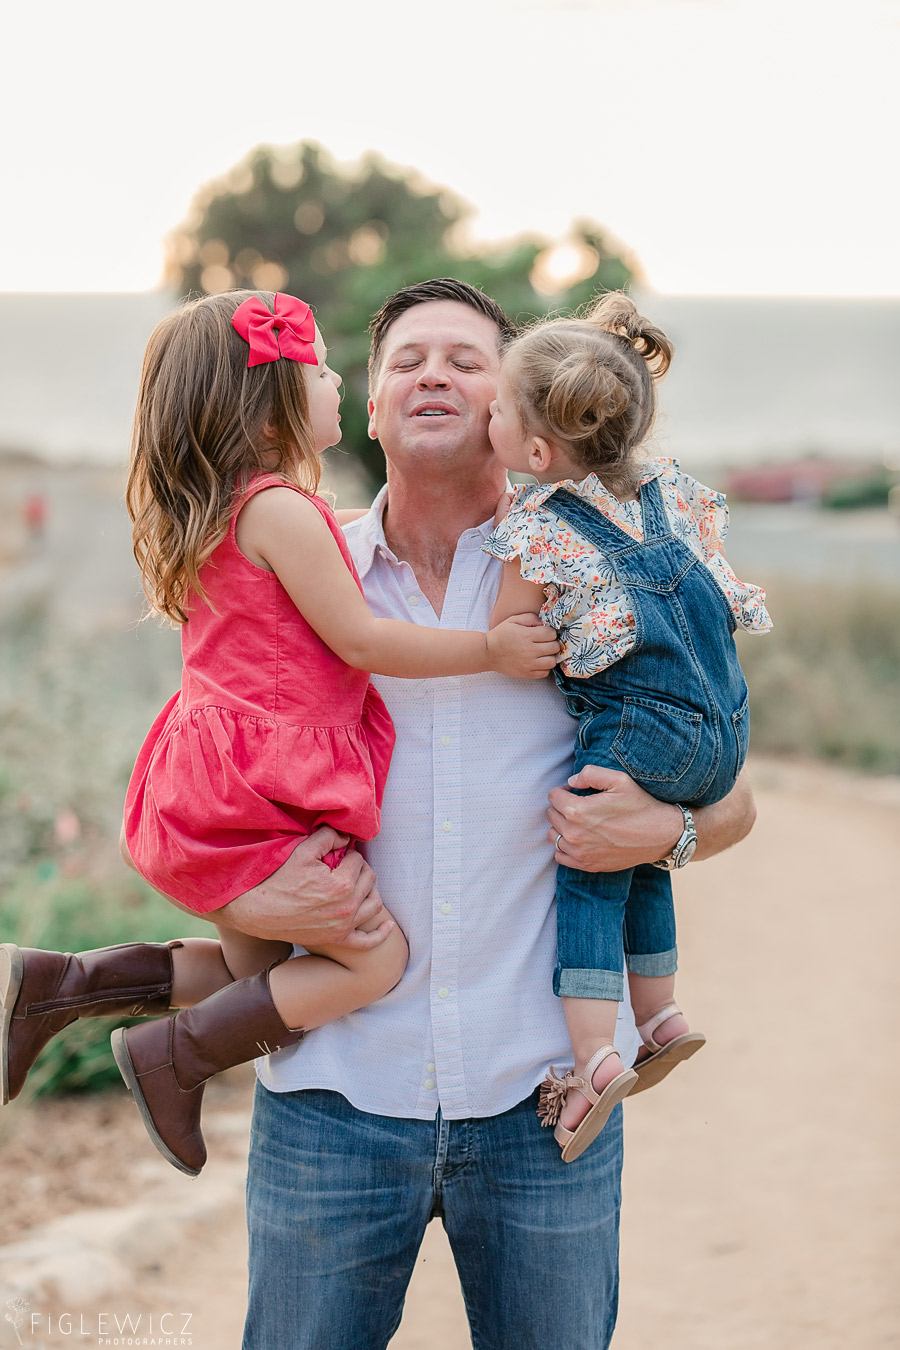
(276, 729)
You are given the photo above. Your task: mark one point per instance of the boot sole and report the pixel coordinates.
(12, 971)
(127, 1070)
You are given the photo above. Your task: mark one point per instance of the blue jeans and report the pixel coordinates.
(338, 1201)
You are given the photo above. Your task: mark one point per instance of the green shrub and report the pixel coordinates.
(852, 494)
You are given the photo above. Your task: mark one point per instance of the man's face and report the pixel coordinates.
(432, 395)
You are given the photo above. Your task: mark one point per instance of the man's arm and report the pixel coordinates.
(620, 825)
(306, 901)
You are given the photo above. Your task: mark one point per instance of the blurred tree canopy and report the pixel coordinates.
(289, 218)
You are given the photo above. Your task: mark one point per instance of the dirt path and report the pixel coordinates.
(761, 1183)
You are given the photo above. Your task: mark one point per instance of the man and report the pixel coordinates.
(423, 1104)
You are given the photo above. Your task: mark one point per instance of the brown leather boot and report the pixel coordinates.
(166, 1064)
(42, 992)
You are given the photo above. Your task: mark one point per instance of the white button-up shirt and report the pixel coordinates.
(464, 866)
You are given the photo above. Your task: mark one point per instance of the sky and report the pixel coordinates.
(732, 146)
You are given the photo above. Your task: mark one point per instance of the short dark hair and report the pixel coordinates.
(439, 288)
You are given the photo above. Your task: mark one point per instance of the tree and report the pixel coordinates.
(289, 218)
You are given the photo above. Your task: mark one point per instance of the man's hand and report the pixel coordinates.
(308, 903)
(620, 825)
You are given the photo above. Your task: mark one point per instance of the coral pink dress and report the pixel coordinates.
(270, 736)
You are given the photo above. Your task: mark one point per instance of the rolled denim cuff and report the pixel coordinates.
(608, 984)
(653, 963)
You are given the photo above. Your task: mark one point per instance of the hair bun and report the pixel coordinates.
(617, 314)
(583, 396)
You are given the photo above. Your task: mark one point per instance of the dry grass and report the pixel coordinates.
(826, 682)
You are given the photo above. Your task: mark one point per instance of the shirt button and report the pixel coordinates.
(446, 740)
(443, 992)
(446, 909)
(446, 826)
(413, 600)
(430, 1068)
(429, 1083)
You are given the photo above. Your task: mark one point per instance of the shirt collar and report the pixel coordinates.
(368, 534)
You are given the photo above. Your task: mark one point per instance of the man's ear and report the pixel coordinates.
(540, 455)
(373, 433)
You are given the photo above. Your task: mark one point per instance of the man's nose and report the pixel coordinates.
(433, 375)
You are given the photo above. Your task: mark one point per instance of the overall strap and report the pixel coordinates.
(653, 511)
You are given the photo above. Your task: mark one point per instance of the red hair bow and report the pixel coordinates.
(289, 332)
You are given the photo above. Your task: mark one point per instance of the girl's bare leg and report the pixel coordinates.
(201, 966)
(198, 970)
(648, 995)
(244, 955)
(309, 991)
(592, 1024)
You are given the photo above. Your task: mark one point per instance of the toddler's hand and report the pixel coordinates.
(522, 647)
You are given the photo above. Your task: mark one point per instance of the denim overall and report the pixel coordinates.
(672, 714)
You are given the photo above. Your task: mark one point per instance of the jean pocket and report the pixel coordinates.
(589, 727)
(740, 720)
(657, 741)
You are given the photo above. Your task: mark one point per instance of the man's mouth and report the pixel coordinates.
(435, 410)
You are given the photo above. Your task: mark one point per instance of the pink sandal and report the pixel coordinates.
(553, 1095)
(653, 1068)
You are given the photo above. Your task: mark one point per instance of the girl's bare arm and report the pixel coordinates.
(284, 532)
(516, 595)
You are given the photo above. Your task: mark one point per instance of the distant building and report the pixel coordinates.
(753, 379)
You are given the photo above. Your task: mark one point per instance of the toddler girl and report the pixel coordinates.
(276, 729)
(622, 555)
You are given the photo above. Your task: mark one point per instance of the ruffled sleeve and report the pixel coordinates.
(548, 550)
(709, 513)
(525, 535)
(707, 507)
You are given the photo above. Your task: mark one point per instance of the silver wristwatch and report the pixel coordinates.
(686, 847)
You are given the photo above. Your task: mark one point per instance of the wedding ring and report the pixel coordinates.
(556, 845)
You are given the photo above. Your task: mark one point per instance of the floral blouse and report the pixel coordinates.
(586, 604)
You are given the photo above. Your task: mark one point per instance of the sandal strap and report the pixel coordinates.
(584, 1085)
(597, 1059)
(555, 1089)
(646, 1029)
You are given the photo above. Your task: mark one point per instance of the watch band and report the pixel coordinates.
(685, 847)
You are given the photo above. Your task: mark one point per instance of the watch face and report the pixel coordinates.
(684, 857)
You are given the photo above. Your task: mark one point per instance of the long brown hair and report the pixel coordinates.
(205, 424)
(588, 383)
